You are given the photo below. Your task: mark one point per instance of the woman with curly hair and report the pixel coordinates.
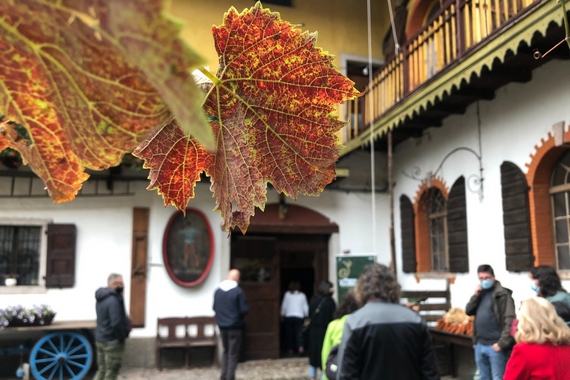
(383, 339)
(546, 283)
(543, 344)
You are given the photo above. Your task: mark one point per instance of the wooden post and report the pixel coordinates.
(459, 18)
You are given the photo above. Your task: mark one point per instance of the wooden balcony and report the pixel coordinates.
(463, 54)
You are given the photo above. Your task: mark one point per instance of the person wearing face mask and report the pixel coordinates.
(546, 283)
(494, 311)
(113, 327)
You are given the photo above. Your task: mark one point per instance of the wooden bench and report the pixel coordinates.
(185, 333)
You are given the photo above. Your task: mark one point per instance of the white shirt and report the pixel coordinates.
(295, 305)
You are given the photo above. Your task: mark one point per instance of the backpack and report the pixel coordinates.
(331, 366)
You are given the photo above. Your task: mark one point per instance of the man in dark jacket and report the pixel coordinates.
(230, 307)
(113, 327)
(383, 339)
(494, 311)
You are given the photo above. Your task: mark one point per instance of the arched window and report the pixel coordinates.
(560, 202)
(437, 219)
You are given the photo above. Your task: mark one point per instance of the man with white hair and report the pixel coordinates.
(230, 306)
(113, 327)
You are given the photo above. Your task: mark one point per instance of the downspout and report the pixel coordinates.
(393, 267)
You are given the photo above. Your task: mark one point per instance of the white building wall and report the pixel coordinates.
(104, 233)
(511, 126)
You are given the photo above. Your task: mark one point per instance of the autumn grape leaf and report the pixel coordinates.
(175, 161)
(151, 43)
(81, 101)
(270, 110)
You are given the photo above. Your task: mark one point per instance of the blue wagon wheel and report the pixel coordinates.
(61, 355)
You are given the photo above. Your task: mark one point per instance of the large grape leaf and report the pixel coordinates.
(270, 109)
(65, 79)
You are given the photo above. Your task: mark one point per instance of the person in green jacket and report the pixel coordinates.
(335, 327)
(546, 283)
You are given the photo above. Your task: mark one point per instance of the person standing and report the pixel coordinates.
(294, 310)
(321, 310)
(230, 306)
(543, 344)
(494, 311)
(383, 339)
(546, 283)
(113, 327)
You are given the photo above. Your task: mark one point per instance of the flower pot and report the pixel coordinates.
(10, 281)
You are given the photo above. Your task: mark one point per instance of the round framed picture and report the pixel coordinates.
(188, 248)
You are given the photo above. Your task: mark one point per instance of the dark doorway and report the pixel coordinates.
(296, 266)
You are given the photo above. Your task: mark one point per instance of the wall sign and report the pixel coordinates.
(188, 248)
(348, 269)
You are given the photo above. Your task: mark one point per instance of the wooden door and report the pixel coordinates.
(256, 259)
(139, 266)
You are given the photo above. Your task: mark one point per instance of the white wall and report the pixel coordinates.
(104, 226)
(511, 125)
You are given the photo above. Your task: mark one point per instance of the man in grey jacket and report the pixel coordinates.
(494, 311)
(113, 327)
(384, 340)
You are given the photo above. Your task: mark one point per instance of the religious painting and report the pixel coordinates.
(188, 248)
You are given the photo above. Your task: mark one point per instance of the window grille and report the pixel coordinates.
(20, 253)
(437, 219)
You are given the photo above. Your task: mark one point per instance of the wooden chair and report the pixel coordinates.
(185, 341)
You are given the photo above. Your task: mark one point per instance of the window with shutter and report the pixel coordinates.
(60, 271)
(457, 228)
(408, 235)
(516, 219)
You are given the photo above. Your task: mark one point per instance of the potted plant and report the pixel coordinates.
(14, 316)
(10, 279)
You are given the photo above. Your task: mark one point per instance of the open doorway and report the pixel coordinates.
(298, 266)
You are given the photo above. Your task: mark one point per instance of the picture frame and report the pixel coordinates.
(188, 248)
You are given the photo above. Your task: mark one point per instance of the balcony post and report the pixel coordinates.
(460, 34)
(406, 69)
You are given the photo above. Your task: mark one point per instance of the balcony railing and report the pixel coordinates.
(456, 29)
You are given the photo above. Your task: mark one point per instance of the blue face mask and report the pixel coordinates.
(534, 287)
(486, 284)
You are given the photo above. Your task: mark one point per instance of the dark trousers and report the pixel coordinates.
(109, 359)
(231, 340)
(293, 327)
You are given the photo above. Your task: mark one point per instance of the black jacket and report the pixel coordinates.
(504, 310)
(112, 321)
(386, 341)
(318, 326)
(230, 306)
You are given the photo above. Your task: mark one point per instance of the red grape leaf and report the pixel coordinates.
(273, 107)
(81, 101)
(175, 161)
(270, 110)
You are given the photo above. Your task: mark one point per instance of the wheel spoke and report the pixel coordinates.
(60, 372)
(77, 364)
(53, 372)
(75, 349)
(80, 356)
(69, 344)
(61, 343)
(53, 346)
(46, 360)
(48, 367)
(70, 371)
(52, 354)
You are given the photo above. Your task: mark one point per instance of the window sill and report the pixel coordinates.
(564, 274)
(22, 289)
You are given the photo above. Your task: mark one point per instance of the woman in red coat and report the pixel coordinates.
(543, 344)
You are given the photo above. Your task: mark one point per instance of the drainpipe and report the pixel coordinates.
(393, 267)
